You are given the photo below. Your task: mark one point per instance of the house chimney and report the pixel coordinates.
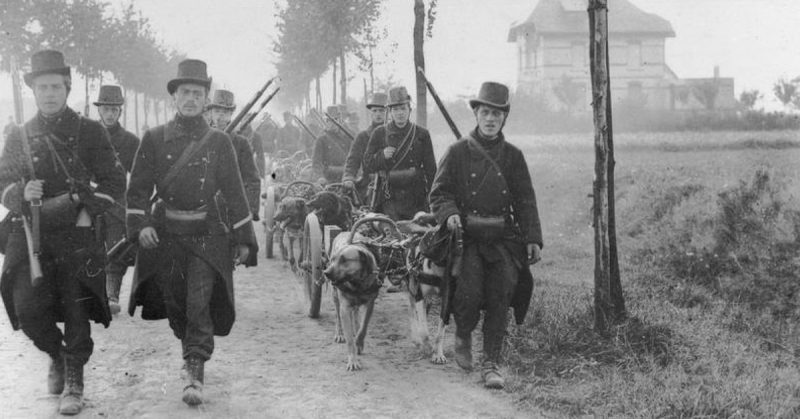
(716, 71)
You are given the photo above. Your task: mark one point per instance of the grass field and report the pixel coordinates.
(673, 358)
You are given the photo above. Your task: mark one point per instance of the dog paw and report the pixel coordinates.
(338, 338)
(360, 348)
(353, 365)
(439, 359)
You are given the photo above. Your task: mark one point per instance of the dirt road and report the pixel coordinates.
(277, 363)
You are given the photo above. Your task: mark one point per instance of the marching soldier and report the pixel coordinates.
(401, 153)
(67, 152)
(109, 106)
(483, 184)
(185, 263)
(289, 135)
(330, 150)
(220, 112)
(352, 122)
(354, 177)
(257, 145)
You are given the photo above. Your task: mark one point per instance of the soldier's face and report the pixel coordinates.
(400, 114)
(490, 120)
(109, 114)
(221, 117)
(50, 91)
(190, 99)
(378, 115)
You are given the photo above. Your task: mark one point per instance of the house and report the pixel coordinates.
(553, 51)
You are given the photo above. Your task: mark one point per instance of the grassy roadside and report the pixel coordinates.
(691, 348)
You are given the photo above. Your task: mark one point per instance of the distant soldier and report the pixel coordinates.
(185, 262)
(220, 112)
(401, 153)
(268, 132)
(289, 135)
(330, 150)
(352, 122)
(109, 106)
(354, 177)
(257, 145)
(68, 151)
(483, 184)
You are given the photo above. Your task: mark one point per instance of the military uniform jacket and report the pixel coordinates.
(289, 139)
(413, 193)
(248, 171)
(330, 154)
(213, 169)
(257, 147)
(82, 147)
(466, 183)
(355, 158)
(125, 144)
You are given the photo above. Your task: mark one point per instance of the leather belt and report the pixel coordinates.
(189, 215)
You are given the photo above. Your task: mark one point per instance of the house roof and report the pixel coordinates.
(570, 17)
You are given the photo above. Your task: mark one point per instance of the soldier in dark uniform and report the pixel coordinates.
(354, 177)
(401, 153)
(330, 150)
(352, 122)
(289, 136)
(257, 145)
(109, 106)
(219, 113)
(483, 184)
(68, 151)
(184, 269)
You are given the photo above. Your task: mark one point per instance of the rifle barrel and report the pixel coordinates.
(232, 125)
(261, 107)
(341, 127)
(305, 127)
(439, 103)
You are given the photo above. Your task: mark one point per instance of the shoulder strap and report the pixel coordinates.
(187, 155)
(406, 145)
(475, 145)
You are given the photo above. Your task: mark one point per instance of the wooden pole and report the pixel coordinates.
(609, 303)
(419, 62)
(19, 114)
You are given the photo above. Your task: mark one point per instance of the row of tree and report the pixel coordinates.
(95, 42)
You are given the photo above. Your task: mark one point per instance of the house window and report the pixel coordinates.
(635, 54)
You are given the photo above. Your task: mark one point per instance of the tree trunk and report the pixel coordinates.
(318, 99)
(86, 104)
(136, 113)
(343, 72)
(155, 111)
(366, 100)
(166, 113)
(609, 303)
(19, 114)
(419, 62)
(125, 107)
(371, 71)
(146, 110)
(334, 82)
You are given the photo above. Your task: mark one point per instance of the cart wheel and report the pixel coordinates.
(312, 255)
(269, 221)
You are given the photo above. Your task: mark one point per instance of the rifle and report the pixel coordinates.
(341, 127)
(305, 127)
(439, 103)
(253, 115)
(319, 117)
(246, 108)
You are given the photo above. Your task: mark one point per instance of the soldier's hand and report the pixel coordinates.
(242, 252)
(349, 185)
(454, 222)
(34, 189)
(534, 253)
(148, 238)
(388, 152)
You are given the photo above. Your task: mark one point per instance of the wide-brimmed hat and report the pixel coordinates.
(378, 100)
(46, 62)
(334, 111)
(110, 95)
(398, 96)
(190, 71)
(492, 94)
(222, 99)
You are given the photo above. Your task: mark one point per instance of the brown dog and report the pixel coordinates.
(353, 273)
(289, 220)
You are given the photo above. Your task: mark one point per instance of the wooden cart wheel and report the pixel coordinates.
(269, 220)
(300, 189)
(376, 219)
(312, 255)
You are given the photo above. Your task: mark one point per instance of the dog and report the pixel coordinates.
(423, 286)
(289, 219)
(353, 272)
(332, 209)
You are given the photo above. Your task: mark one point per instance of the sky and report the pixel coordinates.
(754, 41)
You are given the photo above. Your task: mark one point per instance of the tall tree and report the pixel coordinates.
(419, 62)
(609, 303)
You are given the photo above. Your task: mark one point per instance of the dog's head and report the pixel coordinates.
(352, 268)
(331, 209)
(291, 212)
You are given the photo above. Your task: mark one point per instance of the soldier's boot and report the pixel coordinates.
(55, 376)
(71, 402)
(463, 349)
(491, 375)
(193, 392)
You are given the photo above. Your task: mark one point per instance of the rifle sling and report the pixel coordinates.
(187, 155)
